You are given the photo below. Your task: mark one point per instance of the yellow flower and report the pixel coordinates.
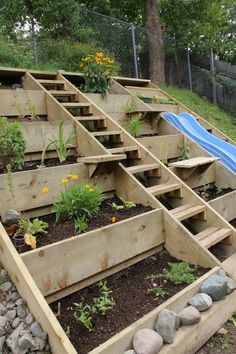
(72, 176)
(64, 180)
(91, 190)
(87, 186)
(113, 219)
(45, 190)
(81, 65)
(106, 72)
(99, 54)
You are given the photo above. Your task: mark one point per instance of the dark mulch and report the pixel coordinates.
(212, 193)
(233, 223)
(132, 302)
(34, 165)
(65, 229)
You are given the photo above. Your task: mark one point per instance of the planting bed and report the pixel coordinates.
(65, 229)
(131, 297)
(212, 193)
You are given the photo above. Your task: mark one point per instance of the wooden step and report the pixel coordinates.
(188, 210)
(123, 149)
(106, 133)
(51, 82)
(76, 104)
(142, 168)
(90, 118)
(160, 189)
(194, 162)
(142, 88)
(101, 158)
(62, 93)
(212, 235)
(229, 265)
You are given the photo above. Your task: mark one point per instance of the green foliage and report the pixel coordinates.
(221, 119)
(83, 312)
(61, 144)
(77, 201)
(34, 227)
(129, 107)
(128, 204)
(2, 279)
(133, 125)
(81, 224)
(181, 273)
(12, 145)
(97, 69)
(10, 182)
(117, 207)
(185, 151)
(158, 292)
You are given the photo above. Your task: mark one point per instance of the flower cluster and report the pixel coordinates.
(97, 69)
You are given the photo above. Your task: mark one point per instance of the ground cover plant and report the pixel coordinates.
(128, 300)
(218, 117)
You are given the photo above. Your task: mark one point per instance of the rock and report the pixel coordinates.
(29, 319)
(201, 301)
(3, 310)
(11, 315)
(2, 341)
(12, 297)
(16, 322)
(10, 305)
(19, 302)
(215, 286)
(189, 316)
(147, 341)
(3, 321)
(6, 286)
(36, 329)
(130, 352)
(12, 340)
(21, 311)
(10, 216)
(27, 342)
(39, 343)
(44, 336)
(166, 325)
(2, 331)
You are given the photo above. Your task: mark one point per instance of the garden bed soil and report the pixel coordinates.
(53, 162)
(212, 193)
(132, 300)
(65, 229)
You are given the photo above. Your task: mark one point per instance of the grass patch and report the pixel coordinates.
(223, 120)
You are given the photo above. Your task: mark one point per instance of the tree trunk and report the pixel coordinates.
(156, 43)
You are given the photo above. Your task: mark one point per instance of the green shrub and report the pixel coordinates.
(12, 145)
(78, 201)
(133, 125)
(181, 273)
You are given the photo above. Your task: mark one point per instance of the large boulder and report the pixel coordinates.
(189, 316)
(147, 341)
(166, 325)
(215, 286)
(10, 217)
(201, 301)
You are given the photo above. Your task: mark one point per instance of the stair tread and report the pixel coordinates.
(106, 132)
(212, 235)
(102, 158)
(89, 118)
(142, 88)
(54, 82)
(163, 188)
(188, 210)
(142, 168)
(76, 104)
(229, 265)
(62, 93)
(123, 149)
(194, 162)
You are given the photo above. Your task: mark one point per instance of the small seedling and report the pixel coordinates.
(129, 204)
(117, 207)
(30, 229)
(83, 314)
(157, 291)
(133, 125)
(129, 107)
(181, 273)
(81, 225)
(105, 302)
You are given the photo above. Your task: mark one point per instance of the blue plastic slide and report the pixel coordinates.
(186, 123)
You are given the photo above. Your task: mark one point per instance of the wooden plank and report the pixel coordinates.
(194, 162)
(62, 93)
(106, 133)
(75, 104)
(52, 82)
(21, 102)
(230, 265)
(104, 274)
(164, 188)
(123, 149)
(123, 341)
(164, 107)
(28, 290)
(102, 158)
(164, 147)
(188, 210)
(142, 168)
(28, 185)
(38, 134)
(214, 237)
(65, 263)
(224, 205)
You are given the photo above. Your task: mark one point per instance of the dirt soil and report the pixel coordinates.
(132, 302)
(212, 193)
(61, 231)
(221, 343)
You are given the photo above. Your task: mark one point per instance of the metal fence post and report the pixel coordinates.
(212, 66)
(189, 70)
(134, 50)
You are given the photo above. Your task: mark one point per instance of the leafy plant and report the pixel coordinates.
(129, 204)
(61, 145)
(158, 291)
(78, 201)
(97, 69)
(12, 145)
(81, 224)
(30, 229)
(31, 107)
(185, 151)
(129, 107)
(181, 273)
(133, 125)
(139, 95)
(83, 314)
(10, 183)
(104, 302)
(117, 207)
